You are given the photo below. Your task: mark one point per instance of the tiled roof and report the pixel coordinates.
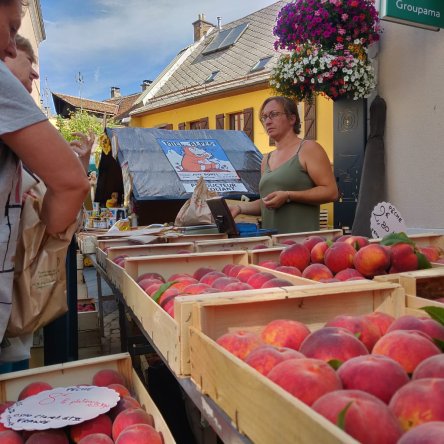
(186, 81)
(89, 105)
(124, 104)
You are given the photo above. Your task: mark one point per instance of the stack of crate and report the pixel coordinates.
(88, 319)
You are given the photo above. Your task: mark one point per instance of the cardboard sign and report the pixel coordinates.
(59, 407)
(386, 219)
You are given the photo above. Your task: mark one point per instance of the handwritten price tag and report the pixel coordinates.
(59, 407)
(386, 219)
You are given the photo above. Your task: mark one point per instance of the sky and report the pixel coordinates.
(120, 42)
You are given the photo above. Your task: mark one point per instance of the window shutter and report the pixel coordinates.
(168, 126)
(181, 126)
(248, 123)
(310, 121)
(220, 121)
(204, 123)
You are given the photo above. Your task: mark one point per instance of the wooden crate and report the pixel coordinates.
(81, 372)
(170, 335)
(178, 237)
(88, 320)
(422, 240)
(115, 272)
(259, 408)
(248, 243)
(299, 237)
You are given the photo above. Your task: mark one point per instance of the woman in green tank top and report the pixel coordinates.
(296, 178)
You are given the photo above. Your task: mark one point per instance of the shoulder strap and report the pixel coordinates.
(300, 146)
(267, 158)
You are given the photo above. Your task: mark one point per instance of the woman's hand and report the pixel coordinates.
(82, 146)
(275, 199)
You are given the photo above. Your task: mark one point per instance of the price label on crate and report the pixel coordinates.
(59, 407)
(386, 219)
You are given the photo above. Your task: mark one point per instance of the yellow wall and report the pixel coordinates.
(237, 103)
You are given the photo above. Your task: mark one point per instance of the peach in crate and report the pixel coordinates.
(241, 390)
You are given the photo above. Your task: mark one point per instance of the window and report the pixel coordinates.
(237, 121)
(211, 77)
(225, 38)
(260, 65)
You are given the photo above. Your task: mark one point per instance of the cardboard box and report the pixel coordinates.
(81, 372)
(233, 244)
(259, 408)
(170, 335)
(115, 272)
(299, 237)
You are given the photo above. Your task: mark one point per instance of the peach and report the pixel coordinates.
(198, 288)
(317, 253)
(426, 433)
(311, 241)
(305, 378)
(363, 329)
(296, 255)
(99, 424)
(120, 260)
(289, 270)
(222, 282)
(332, 344)
(183, 283)
(259, 247)
(269, 264)
(381, 320)
(240, 343)
(366, 418)
(96, 438)
(246, 273)
(124, 403)
(316, 272)
(432, 367)
(408, 347)
(339, 257)
(341, 238)
(150, 276)
(107, 376)
(238, 286)
(33, 388)
(418, 402)
(285, 333)
(129, 417)
(276, 282)
(167, 295)
(210, 277)
(404, 258)
(3, 407)
(140, 434)
(234, 270)
(147, 282)
(226, 269)
(372, 260)
(425, 324)
(201, 272)
(120, 389)
(10, 437)
(169, 308)
(431, 253)
(48, 437)
(152, 289)
(356, 242)
(179, 277)
(374, 374)
(265, 357)
(258, 279)
(348, 273)
(288, 242)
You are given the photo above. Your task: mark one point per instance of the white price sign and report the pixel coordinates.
(59, 407)
(386, 219)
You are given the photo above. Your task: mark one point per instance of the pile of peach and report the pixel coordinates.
(352, 257)
(384, 376)
(232, 277)
(126, 423)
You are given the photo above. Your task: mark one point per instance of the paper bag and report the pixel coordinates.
(39, 290)
(195, 210)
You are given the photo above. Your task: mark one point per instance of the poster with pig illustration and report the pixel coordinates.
(194, 158)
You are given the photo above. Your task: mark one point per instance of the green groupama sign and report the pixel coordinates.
(422, 13)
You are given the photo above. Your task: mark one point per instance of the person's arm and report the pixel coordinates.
(46, 153)
(315, 160)
(82, 146)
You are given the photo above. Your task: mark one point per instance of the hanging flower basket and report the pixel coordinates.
(310, 70)
(327, 23)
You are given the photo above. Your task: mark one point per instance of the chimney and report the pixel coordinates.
(115, 92)
(219, 23)
(201, 27)
(145, 84)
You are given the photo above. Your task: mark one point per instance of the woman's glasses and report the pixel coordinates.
(272, 115)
